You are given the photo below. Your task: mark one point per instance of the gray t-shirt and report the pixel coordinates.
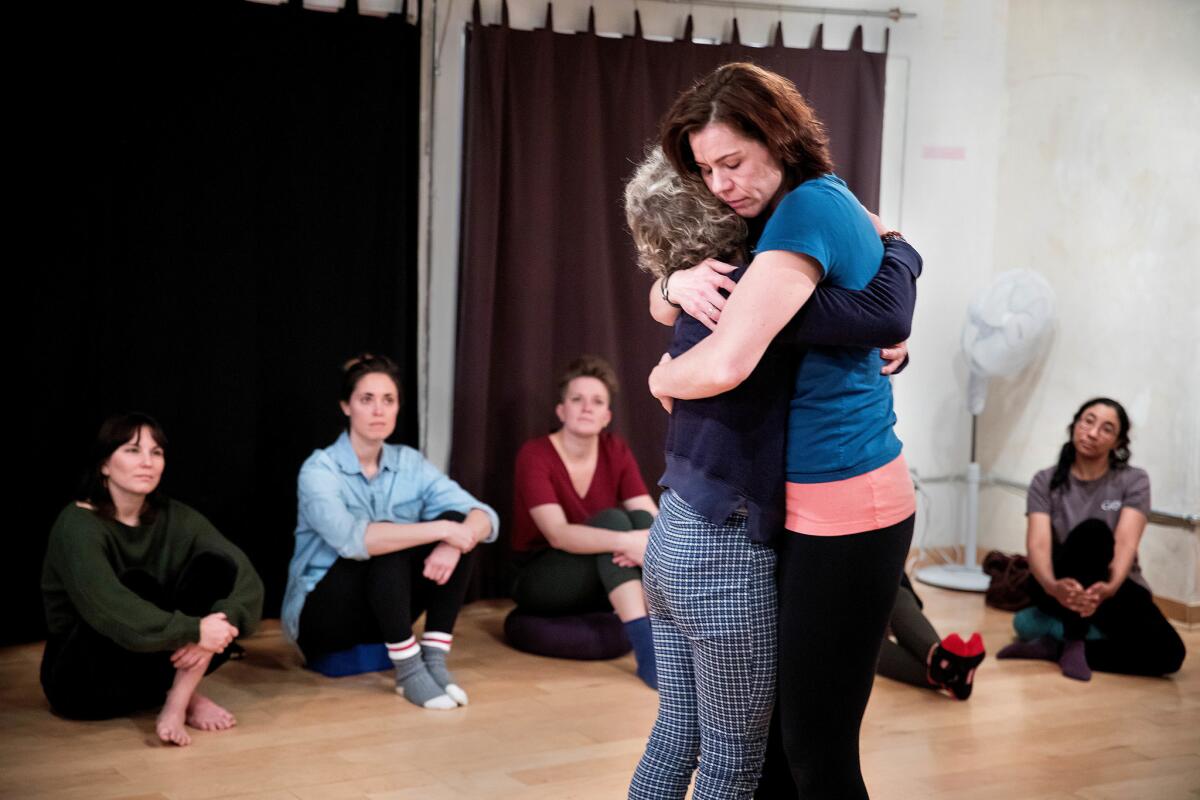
(1077, 501)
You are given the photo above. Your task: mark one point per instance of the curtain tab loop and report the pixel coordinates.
(856, 40)
(549, 26)
(778, 34)
(475, 14)
(504, 14)
(818, 37)
(637, 24)
(735, 37)
(687, 29)
(591, 20)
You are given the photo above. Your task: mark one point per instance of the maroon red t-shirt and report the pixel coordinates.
(542, 478)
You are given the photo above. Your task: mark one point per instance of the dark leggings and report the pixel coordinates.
(1138, 640)
(86, 675)
(906, 659)
(835, 597)
(554, 582)
(377, 600)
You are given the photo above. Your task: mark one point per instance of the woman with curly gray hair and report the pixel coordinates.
(709, 569)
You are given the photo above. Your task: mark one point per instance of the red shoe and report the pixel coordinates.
(952, 664)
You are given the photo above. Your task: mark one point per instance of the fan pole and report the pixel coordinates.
(965, 577)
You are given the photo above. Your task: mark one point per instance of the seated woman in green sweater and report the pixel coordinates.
(142, 594)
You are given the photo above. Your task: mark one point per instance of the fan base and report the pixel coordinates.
(955, 576)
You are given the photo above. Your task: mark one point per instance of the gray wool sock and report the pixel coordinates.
(418, 687)
(435, 662)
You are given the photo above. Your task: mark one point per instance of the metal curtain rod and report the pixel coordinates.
(894, 14)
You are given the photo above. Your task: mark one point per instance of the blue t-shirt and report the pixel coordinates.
(841, 417)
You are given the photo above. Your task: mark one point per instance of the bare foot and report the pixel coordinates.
(170, 726)
(205, 715)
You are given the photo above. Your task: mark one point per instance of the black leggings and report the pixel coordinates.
(86, 675)
(835, 597)
(377, 600)
(556, 583)
(1138, 640)
(906, 659)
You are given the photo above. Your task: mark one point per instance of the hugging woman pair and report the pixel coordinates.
(759, 394)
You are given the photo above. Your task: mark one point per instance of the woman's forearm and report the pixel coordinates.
(878, 315)
(660, 309)
(388, 537)
(1038, 545)
(1126, 538)
(479, 524)
(1118, 568)
(584, 539)
(772, 291)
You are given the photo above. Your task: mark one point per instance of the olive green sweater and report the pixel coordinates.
(87, 553)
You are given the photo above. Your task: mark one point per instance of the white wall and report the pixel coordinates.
(1098, 192)
(1053, 134)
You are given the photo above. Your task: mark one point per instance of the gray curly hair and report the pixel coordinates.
(676, 223)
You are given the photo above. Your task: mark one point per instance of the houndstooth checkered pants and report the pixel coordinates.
(711, 597)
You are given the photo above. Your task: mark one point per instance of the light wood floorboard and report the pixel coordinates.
(539, 729)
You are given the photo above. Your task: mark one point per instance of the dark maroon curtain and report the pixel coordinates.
(554, 124)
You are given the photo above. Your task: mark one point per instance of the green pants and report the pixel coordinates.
(555, 582)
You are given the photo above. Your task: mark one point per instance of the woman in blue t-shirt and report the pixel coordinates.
(757, 146)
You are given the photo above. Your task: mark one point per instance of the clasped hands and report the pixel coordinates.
(216, 633)
(1071, 595)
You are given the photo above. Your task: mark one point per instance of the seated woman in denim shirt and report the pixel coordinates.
(382, 535)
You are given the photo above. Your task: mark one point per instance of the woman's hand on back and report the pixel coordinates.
(668, 402)
(894, 356)
(697, 289)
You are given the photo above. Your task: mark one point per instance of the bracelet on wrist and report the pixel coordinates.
(892, 236)
(662, 288)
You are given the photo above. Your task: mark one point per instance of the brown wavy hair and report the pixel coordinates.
(757, 103)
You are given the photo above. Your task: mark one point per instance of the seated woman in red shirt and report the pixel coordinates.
(581, 514)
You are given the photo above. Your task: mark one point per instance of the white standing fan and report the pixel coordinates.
(1007, 326)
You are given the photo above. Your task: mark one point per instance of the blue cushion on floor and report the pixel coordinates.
(355, 661)
(1033, 623)
(586, 637)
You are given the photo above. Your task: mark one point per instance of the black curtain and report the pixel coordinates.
(225, 204)
(554, 125)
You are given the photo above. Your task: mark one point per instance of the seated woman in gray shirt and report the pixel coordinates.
(1086, 517)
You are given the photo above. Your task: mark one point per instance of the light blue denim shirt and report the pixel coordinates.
(337, 502)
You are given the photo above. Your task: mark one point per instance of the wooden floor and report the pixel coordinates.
(539, 728)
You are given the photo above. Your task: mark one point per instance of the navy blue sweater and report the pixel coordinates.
(726, 453)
